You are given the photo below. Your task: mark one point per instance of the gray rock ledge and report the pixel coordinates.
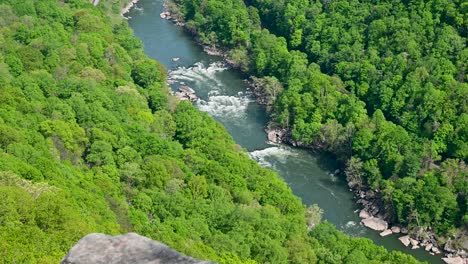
(128, 248)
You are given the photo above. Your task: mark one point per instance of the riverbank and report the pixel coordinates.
(128, 7)
(373, 213)
(172, 13)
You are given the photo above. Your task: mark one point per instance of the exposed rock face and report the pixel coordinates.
(186, 93)
(129, 248)
(276, 135)
(364, 214)
(456, 260)
(165, 15)
(386, 233)
(375, 223)
(405, 240)
(428, 247)
(127, 8)
(414, 242)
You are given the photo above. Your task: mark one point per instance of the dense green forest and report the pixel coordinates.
(380, 84)
(92, 141)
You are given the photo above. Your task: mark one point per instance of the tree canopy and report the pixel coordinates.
(92, 141)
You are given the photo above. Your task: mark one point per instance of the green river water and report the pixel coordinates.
(224, 96)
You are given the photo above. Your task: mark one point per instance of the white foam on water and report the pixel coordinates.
(139, 9)
(353, 228)
(219, 105)
(277, 153)
(199, 73)
(350, 224)
(225, 106)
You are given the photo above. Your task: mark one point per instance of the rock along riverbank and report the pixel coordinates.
(373, 214)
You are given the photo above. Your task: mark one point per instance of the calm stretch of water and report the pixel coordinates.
(224, 96)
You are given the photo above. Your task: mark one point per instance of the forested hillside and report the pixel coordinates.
(381, 84)
(92, 141)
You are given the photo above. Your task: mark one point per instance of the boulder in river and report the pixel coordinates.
(276, 135)
(186, 93)
(405, 240)
(129, 248)
(127, 8)
(375, 223)
(428, 247)
(455, 260)
(186, 89)
(165, 15)
(414, 242)
(395, 229)
(192, 97)
(364, 214)
(386, 232)
(175, 59)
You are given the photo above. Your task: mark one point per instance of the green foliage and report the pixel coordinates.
(89, 142)
(335, 247)
(145, 72)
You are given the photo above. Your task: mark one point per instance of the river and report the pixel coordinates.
(224, 96)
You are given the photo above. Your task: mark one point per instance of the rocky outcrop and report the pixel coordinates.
(172, 13)
(405, 240)
(457, 247)
(127, 8)
(276, 135)
(428, 247)
(396, 230)
(129, 248)
(254, 84)
(375, 223)
(455, 260)
(386, 233)
(186, 93)
(165, 15)
(414, 243)
(364, 214)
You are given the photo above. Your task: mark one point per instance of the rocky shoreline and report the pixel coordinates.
(186, 93)
(172, 13)
(372, 214)
(127, 8)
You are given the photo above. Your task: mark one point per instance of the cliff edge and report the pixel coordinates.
(128, 248)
